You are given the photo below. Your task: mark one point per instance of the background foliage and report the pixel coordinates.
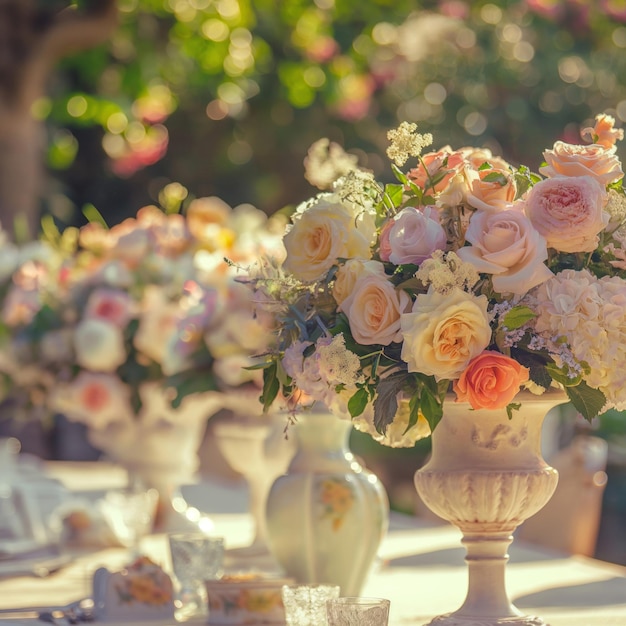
(226, 96)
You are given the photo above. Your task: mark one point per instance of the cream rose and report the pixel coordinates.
(99, 345)
(506, 245)
(568, 212)
(373, 310)
(444, 333)
(350, 272)
(573, 160)
(414, 235)
(325, 231)
(490, 189)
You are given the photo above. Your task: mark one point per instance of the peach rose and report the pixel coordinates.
(373, 310)
(603, 132)
(414, 235)
(477, 157)
(487, 194)
(491, 381)
(444, 333)
(324, 232)
(437, 170)
(568, 212)
(506, 245)
(573, 160)
(350, 272)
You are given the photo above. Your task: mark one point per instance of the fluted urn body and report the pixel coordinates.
(486, 475)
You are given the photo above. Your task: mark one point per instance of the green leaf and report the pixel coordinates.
(518, 316)
(188, 383)
(271, 386)
(358, 402)
(561, 376)
(496, 177)
(513, 406)
(386, 402)
(394, 192)
(586, 400)
(94, 216)
(431, 407)
(399, 174)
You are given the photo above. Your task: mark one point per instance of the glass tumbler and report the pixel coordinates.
(348, 611)
(305, 605)
(195, 558)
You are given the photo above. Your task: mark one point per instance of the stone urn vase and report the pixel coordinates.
(486, 475)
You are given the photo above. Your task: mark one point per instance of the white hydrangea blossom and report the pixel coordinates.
(596, 310)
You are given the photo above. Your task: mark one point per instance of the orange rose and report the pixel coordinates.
(490, 381)
(573, 160)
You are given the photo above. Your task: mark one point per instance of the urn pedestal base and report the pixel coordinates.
(486, 476)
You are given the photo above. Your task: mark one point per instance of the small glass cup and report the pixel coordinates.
(305, 605)
(354, 611)
(130, 513)
(195, 558)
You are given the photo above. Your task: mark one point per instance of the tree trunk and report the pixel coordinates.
(32, 40)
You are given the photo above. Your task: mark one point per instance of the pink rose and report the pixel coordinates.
(568, 212)
(373, 310)
(94, 399)
(491, 381)
(506, 245)
(573, 160)
(110, 305)
(414, 235)
(384, 247)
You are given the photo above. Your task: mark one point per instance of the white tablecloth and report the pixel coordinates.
(420, 567)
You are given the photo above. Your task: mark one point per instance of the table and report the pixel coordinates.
(420, 566)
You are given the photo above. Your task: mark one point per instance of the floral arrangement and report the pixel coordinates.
(137, 320)
(466, 280)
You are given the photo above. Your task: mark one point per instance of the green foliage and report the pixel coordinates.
(244, 88)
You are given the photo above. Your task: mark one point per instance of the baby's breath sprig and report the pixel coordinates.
(406, 142)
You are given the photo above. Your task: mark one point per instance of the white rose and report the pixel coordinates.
(325, 231)
(99, 345)
(507, 245)
(373, 310)
(350, 272)
(444, 333)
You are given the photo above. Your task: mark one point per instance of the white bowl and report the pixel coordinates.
(237, 600)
